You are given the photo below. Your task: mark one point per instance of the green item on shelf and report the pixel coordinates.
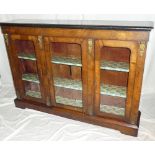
(115, 66)
(69, 102)
(30, 77)
(112, 110)
(111, 90)
(34, 94)
(67, 61)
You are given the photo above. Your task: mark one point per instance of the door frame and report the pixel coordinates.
(18, 74)
(48, 49)
(133, 46)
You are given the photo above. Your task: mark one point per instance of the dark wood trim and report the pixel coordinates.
(83, 24)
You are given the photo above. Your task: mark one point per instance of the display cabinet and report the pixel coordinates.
(85, 70)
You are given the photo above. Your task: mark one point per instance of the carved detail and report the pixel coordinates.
(40, 40)
(142, 48)
(6, 39)
(90, 45)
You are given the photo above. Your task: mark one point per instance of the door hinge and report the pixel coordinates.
(40, 40)
(6, 38)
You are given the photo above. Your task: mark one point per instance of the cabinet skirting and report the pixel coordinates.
(123, 127)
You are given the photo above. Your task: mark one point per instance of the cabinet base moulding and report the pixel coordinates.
(123, 127)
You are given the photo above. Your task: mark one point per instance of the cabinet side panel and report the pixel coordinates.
(13, 64)
(138, 82)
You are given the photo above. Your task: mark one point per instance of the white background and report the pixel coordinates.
(130, 7)
(149, 74)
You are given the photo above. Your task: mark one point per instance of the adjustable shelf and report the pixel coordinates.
(107, 65)
(67, 61)
(30, 77)
(113, 90)
(34, 94)
(69, 102)
(68, 83)
(103, 108)
(112, 110)
(115, 66)
(106, 89)
(27, 56)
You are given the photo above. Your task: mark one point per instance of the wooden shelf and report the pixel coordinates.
(78, 103)
(112, 110)
(106, 89)
(115, 66)
(68, 83)
(69, 102)
(67, 61)
(26, 56)
(30, 77)
(34, 94)
(113, 90)
(107, 65)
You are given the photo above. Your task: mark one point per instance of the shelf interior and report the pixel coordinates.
(69, 102)
(106, 89)
(34, 94)
(67, 61)
(113, 90)
(68, 83)
(30, 77)
(112, 110)
(107, 65)
(115, 66)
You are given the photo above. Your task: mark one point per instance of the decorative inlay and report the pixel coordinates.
(40, 40)
(6, 39)
(90, 45)
(142, 48)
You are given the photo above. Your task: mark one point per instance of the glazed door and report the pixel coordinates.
(67, 72)
(27, 61)
(115, 63)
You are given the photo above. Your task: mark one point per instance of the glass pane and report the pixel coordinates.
(67, 71)
(114, 71)
(26, 53)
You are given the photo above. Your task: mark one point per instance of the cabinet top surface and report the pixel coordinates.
(83, 24)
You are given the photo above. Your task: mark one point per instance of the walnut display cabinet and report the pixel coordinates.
(89, 71)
